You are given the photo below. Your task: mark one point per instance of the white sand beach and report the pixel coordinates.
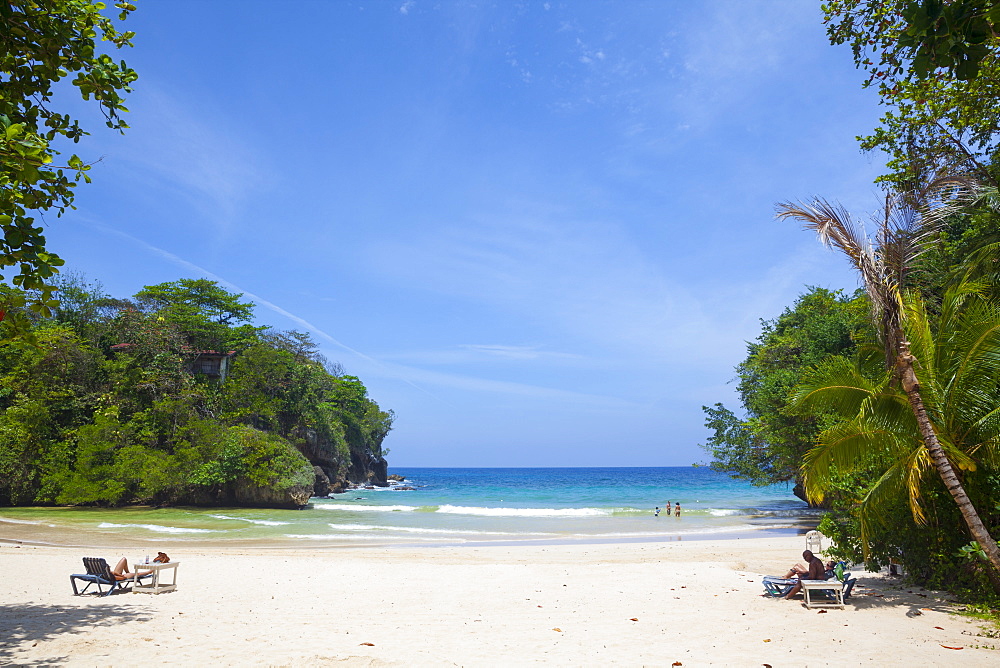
(690, 603)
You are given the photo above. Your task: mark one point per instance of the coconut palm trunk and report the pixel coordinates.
(882, 269)
(978, 530)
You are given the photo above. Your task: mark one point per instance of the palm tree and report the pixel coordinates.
(883, 267)
(960, 386)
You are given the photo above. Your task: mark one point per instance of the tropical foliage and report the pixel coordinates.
(111, 406)
(767, 445)
(41, 43)
(934, 65)
(905, 452)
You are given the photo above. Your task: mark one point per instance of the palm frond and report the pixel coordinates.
(846, 447)
(837, 386)
(903, 477)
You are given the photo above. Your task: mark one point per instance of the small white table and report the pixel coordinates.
(154, 587)
(836, 586)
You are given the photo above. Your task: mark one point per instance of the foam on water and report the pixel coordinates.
(363, 508)
(355, 537)
(376, 527)
(523, 512)
(266, 523)
(724, 512)
(157, 528)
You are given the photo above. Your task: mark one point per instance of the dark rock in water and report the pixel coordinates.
(322, 486)
(396, 477)
(364, 468)
(369, 486)
(403, 488)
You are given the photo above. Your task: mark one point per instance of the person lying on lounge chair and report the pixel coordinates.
(816, 571)
(120, 571)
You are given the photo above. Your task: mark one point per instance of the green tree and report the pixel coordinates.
(883, 269)
(208, 315)
(934, 65)
(42, 42)
(959, 378)
(767, 447)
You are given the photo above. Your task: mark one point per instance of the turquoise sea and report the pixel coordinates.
(451, 506)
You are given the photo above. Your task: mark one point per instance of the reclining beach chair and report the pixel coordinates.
(778, 587)
(840, 573)
(99, 573)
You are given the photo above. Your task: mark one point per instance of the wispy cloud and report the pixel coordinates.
(473, 353)
(413, 376)
(172, 148)
(594, 288)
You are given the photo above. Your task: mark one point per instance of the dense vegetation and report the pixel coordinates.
(117, 401)
(768, 445)
(884, 407)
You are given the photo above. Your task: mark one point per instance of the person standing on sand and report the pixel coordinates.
(677, 509)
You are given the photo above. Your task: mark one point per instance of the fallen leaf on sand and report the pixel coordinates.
(677, 663)
(927, 609)
(939, 628)
(821, 612)
(767, 665)
(633, 619)
(946, 647)
(767, 640)
(368, 644)
(557, 629)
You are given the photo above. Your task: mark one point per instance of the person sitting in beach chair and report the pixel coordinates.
(99, 573)
(815, 571)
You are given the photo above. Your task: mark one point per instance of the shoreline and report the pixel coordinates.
(623, 604)
(64, 537)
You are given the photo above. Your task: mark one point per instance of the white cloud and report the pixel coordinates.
(404, 9)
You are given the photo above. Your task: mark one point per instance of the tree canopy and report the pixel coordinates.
(41, 43)
(768, 445)
(934, 65)
(111, 406)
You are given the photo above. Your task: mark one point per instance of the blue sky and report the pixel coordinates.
(540, 232)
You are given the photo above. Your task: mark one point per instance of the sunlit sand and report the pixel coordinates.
(629, 604)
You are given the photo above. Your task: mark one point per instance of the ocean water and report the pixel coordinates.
(456, 506)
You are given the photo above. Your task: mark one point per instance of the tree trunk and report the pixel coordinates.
(951, 482)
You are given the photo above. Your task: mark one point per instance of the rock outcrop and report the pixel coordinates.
(335, 472)
(293, 497)
(323, 486)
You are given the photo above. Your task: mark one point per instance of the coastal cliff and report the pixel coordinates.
(173, 398)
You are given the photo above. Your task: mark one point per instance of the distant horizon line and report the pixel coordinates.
(682, 466)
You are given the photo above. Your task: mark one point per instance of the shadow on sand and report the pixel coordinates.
(33, 623)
